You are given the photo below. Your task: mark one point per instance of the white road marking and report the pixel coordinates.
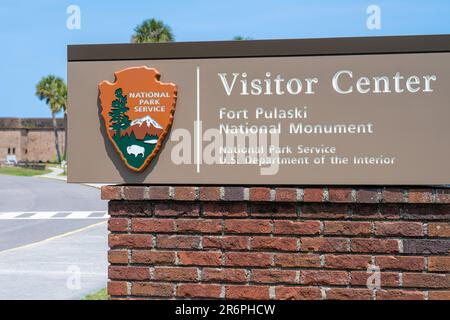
(9, 215)
(44, 215)
(53, 215)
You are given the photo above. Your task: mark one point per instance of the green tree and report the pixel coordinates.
(119, 119)
(53, 90)
(63, 102)
(241, 38)
(152, 31)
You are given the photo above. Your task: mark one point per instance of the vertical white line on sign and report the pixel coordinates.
(198, 120)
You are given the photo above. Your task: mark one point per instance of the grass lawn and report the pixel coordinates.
(101, 295)
(23, 172)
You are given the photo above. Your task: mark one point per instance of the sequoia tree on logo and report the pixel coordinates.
(138, 112)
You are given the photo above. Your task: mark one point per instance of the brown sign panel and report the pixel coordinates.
(374, 113)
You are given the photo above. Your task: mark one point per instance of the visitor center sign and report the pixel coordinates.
(373, 111)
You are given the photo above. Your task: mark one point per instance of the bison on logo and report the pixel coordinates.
(138, 112)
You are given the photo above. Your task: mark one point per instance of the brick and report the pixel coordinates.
(152, 257)
(259, 194)
(286, 195)
(439, 295)
(247, 292)
(313, 195)
(390, 211)
(152, 225)
(248, 226)
(175, 274)
(185, 193)
(347, 228)
(369, 211)
(321, 277)
(200, 258)
(118, 256)
(296, 227)
(340, 195)
(158, 193)
(323, 211)
(152, 289)
(129, 240)
(347, 261)
(267, 209)
(285, 210)
(349, 294)
(442, 211)
(324, 244)
(178, 242)
(133, 193)
(400, 263)
(387, 279)
(135, 208)
(226, 243)
(399, 295)
(297, 260)
(439, 229)
(205, 291)
(111, 193)
(443, 196)
(274, 243)
(233, 194)
(297, 293)
(177, 210)
(199, 226)
(248, 259)
(420, 196)
(428, 212)
(128, 273)
(117, 288)
(426, 280)
(425, 246)
(209, 193)
(393, 195)
(212, 209)
(367, 196)
(118, 224)
(273, 276)
(224, 275)
(401, 229)
(374, 245)
(439, 264)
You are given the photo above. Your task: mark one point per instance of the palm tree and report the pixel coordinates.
(53, 90)
(151, 31)
(63, 102)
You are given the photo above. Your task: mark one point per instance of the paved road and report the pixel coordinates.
(31, 195)
(39, 256)
(20, 232)
(63, 268)
(37, 194)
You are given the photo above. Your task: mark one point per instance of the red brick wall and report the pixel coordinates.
(278, 243)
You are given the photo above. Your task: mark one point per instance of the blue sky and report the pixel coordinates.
(34, 36)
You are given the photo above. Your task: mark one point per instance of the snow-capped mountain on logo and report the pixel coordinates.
(143, 127)
(147, 119)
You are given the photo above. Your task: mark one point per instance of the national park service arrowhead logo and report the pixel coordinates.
(138, 112)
